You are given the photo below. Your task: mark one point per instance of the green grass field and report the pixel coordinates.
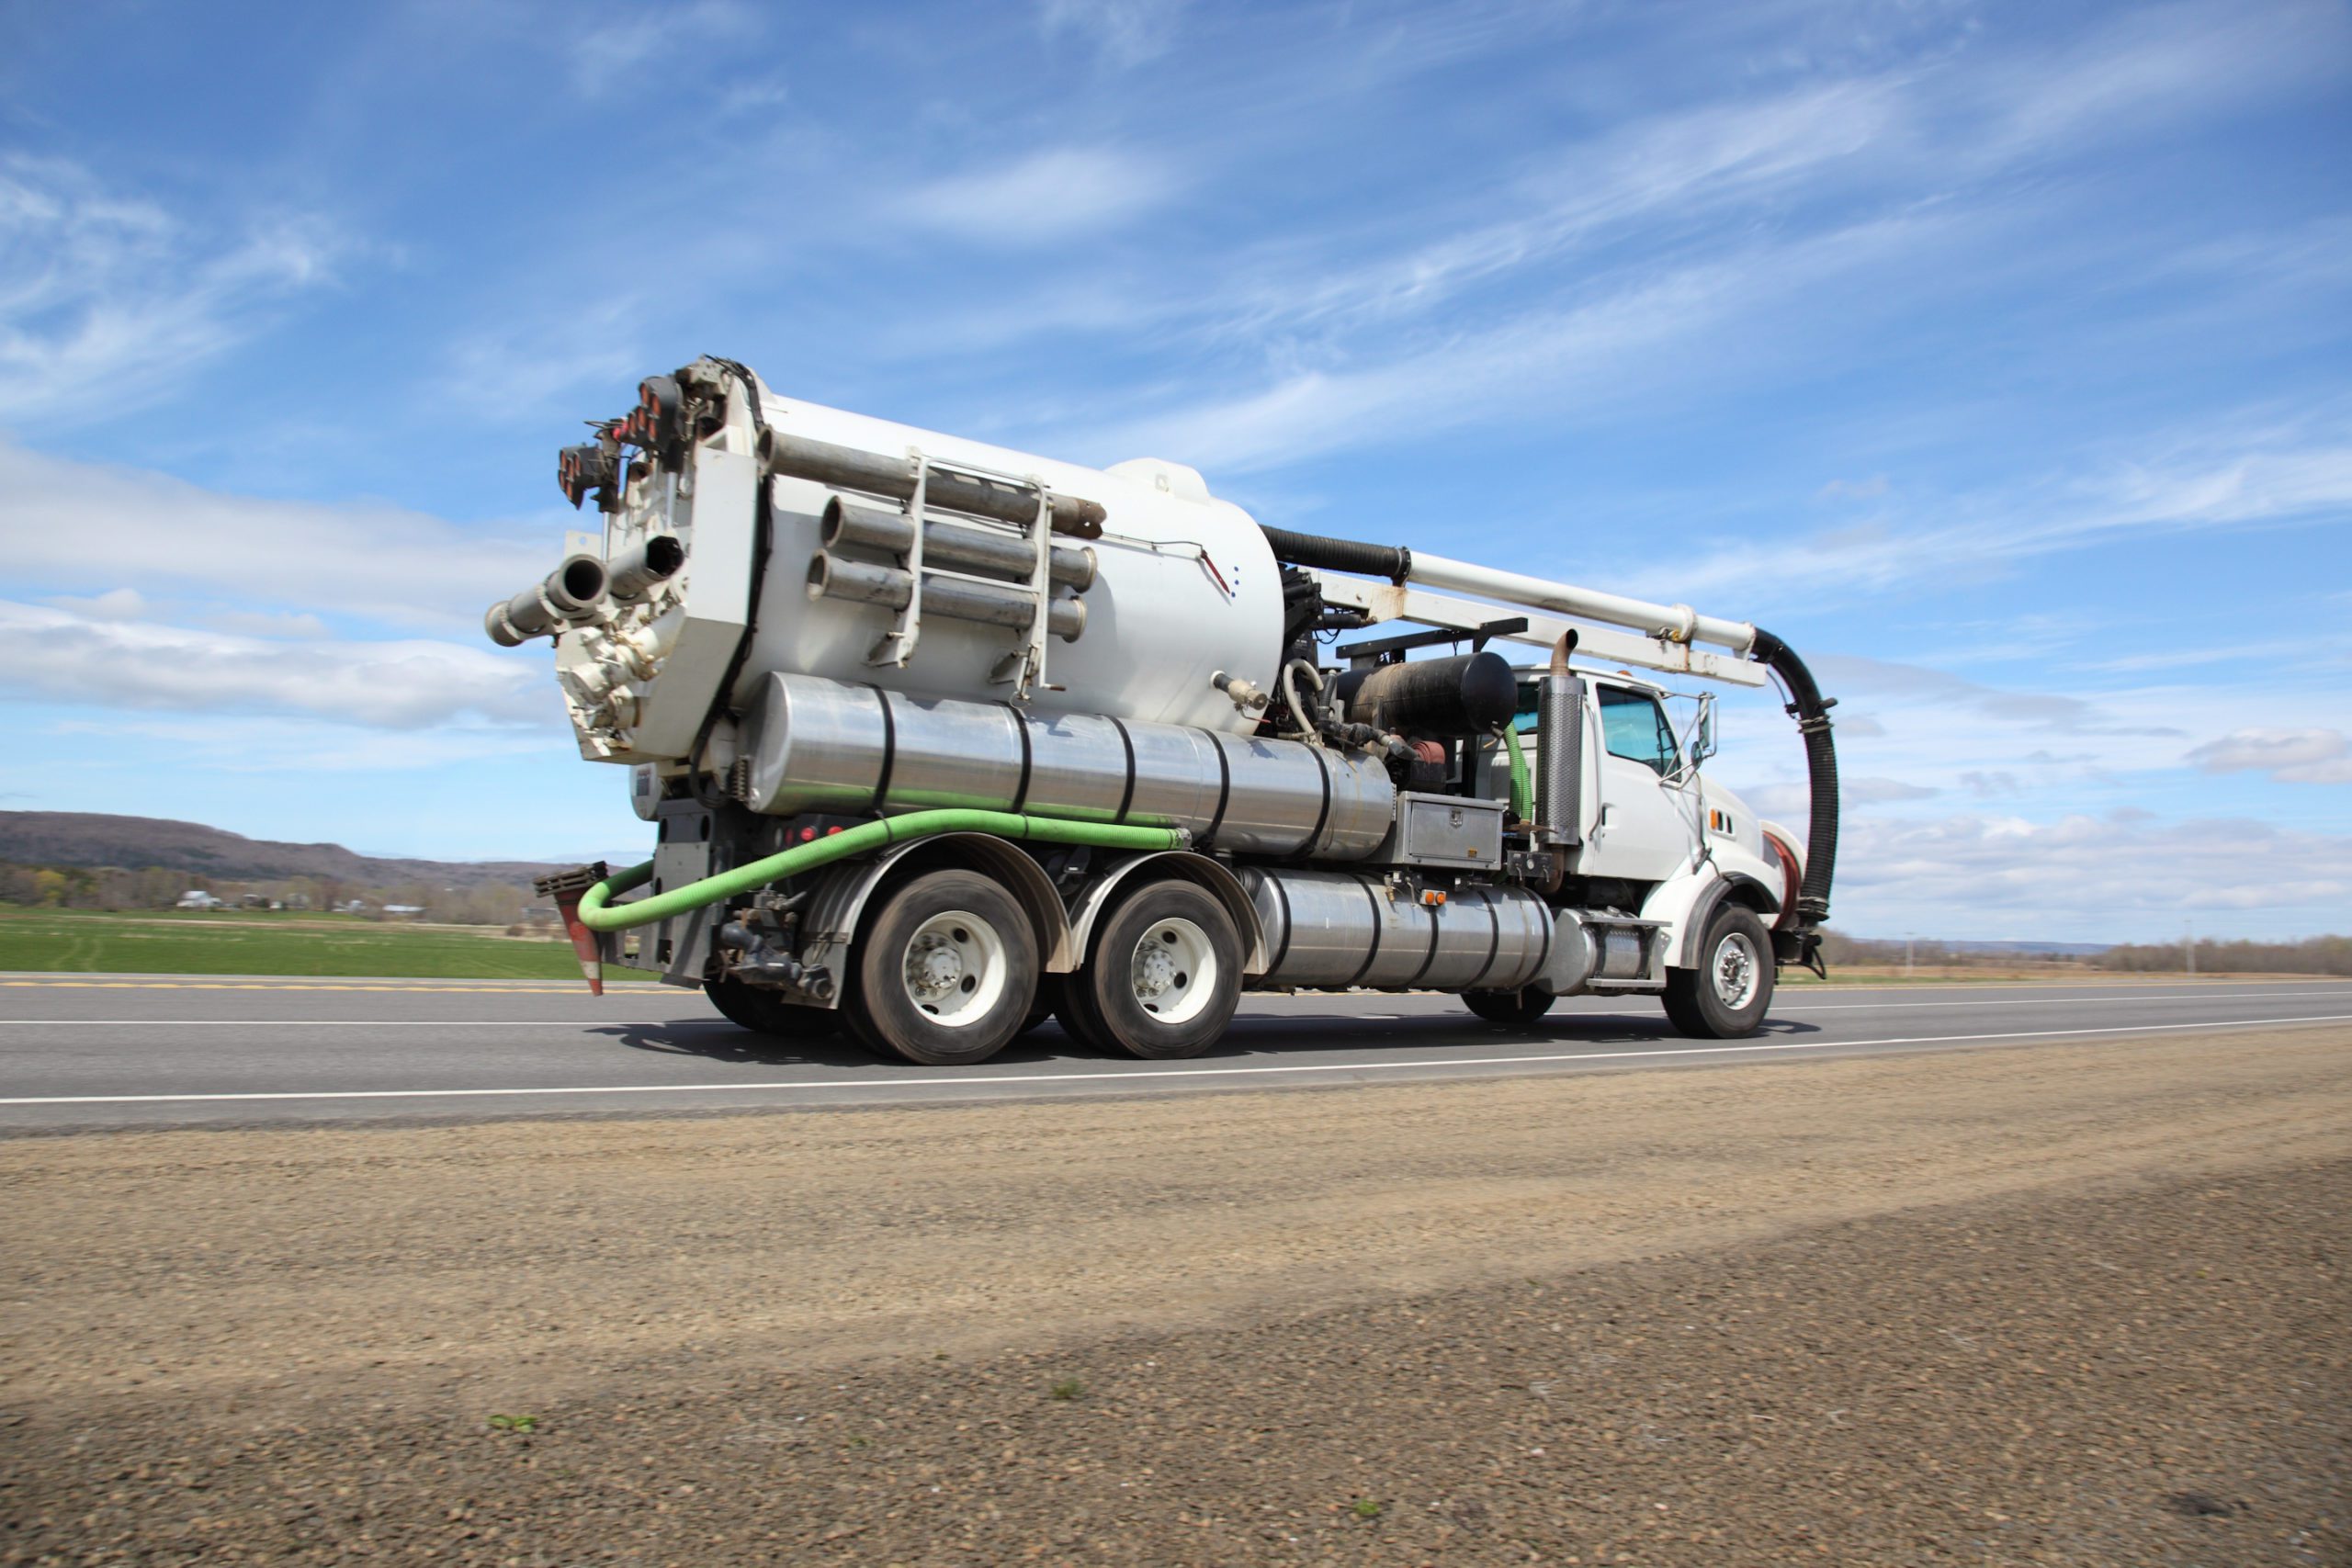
(254, 942)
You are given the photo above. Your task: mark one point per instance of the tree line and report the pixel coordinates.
(159, 887)
(2312, 956)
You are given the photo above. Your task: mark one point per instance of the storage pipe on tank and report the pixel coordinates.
(598, 914)
(570, 592)
(831, 577)
(961, 545)
(801, 458)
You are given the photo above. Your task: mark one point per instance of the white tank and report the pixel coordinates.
(1185, 586)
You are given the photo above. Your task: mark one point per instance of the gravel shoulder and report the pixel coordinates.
(2079, 1303)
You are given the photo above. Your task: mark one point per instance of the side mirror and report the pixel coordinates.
(1702, 732)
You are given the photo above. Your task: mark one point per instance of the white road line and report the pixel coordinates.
(1778, 1008)
(1781, 1001)
(969, 1080)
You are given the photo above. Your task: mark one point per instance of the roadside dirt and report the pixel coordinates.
(2008, 1305)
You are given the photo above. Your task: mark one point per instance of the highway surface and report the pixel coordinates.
(86, 1051)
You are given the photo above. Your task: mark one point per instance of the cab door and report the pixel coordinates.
(1642, 827)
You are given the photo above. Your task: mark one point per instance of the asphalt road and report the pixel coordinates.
(83, 1052)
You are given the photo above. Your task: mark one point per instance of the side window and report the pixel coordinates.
(1632, 725)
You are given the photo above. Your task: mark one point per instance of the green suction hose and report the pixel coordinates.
(595, 914)
(1522, 793)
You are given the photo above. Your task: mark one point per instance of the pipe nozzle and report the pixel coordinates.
(637, 571)
(570, 591)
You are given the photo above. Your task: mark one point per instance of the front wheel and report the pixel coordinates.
(1727, 996)
(943, 975)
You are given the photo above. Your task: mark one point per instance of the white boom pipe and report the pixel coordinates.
(1676, 623)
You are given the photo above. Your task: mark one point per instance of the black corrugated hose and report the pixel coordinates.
(1812, 714)
(1394, 562)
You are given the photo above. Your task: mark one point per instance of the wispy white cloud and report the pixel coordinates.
(521, 370)
(1922, 157)
(2085, 876)
(603, 58)
(1046, 196)
(2217, 478)
(1124, 32)
(95, 529)
(410, 684)
(108, 300)
(1588, 353)
(2310, 755)
(275, 746)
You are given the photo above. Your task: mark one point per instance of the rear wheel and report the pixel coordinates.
(944, 971)
(1727, 996)
(1163, 977)
(1512, 1009)
(765, 1012)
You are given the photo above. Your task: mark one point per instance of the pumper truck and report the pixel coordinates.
(939, 740)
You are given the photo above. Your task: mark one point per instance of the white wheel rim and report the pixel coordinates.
(1736, 971)
(955, 968)
(1173, 971)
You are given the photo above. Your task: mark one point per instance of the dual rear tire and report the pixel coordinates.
(945, 973)
(1162, 975)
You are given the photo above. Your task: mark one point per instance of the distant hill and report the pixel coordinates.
(134, 843)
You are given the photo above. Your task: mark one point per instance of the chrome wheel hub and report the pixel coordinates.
(1173, 970)
(1736, 970)
(956, 967)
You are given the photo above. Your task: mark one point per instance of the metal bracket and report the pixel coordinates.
(1024, 666)
(1392, 649)
(897, 645)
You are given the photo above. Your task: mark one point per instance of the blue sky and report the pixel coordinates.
(1998, 356)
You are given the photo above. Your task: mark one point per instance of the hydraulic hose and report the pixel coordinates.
(1522, 793)
(1392, 561)
(1811, 711)
(598, 914)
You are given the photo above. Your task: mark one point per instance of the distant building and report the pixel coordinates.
(196, 898)
(403, 911)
